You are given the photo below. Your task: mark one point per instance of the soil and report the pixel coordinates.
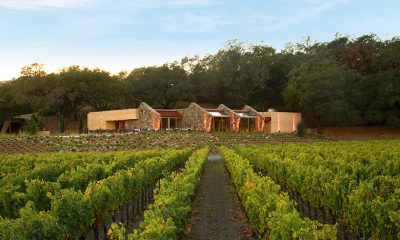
(216, 211)
(179, 139)
(141, 140)
(20, 145)
(361, 133)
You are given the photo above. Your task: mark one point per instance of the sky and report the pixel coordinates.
(125, 34)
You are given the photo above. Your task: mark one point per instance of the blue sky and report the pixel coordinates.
(124, 34)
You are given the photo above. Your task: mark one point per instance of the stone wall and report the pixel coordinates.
(148, 118)
(227, 111)
(192, 117)
(131, 124)
(233, 117)
(260, 123)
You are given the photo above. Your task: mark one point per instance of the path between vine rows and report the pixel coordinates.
(216, 211)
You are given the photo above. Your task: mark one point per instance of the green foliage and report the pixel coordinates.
(71, 211)
(81, 125)
(32, 177)
(35, 69)
(61, 124)
(166, 218)
(31, 126)
(116, 232)
(162, 86)
(320, 89)
(38, 192)
(344, 81)
(31, 225)
(270, 212)
(301, 129)
(356, 181)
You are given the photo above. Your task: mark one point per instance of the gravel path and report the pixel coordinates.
(217, 211)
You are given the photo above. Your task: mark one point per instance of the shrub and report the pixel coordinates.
(80, 123)
(301, 129)
(62, 124)
(32, 126)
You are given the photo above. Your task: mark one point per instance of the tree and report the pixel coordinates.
(363, 54)
(326, 79)
(65, 96)
(101, 90)
(31, 126)
(163, 86)
(81, 123)
(381, 103)
(61, 124)
(319, 87)
(33, 70)
(9, 106)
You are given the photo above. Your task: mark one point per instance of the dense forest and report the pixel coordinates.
(344, 81)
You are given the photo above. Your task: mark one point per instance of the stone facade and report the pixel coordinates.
(131, 124)
(235, 122)
(234, 118)
(148, 118)
(227, 111)
(195, 117)
(192, 117)
(260, 123)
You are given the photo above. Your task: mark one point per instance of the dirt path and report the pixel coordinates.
(216, 211)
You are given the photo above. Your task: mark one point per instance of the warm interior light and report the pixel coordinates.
(279, 122)
(294, 121)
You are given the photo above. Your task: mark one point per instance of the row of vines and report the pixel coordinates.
(357, 182)
(270, 211)
(167, 217)
(61, 196)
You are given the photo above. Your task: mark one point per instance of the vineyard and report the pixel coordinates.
(355, 184)
(144, 140)
(318, 190)
(61, 196)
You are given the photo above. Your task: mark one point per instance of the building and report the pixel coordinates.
(112, 120)
(194, 117)
(143, 117)
(46, 124)
(281, 121)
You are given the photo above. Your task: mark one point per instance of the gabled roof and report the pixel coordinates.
(169, 113)
(245, 113)
(217, 112)
(214, 110)
(26, 117)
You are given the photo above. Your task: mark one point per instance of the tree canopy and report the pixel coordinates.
(343, 81)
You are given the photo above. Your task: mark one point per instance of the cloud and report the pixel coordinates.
(196, 23)
(192, 2)
(290, 13)
(39, 4)
(300, 11)
(323, 6)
